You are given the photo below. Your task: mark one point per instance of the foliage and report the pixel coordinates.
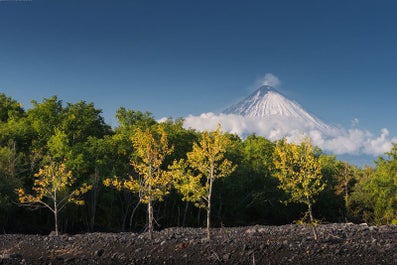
(251, 190)
(10, 167)
(130, 119)
(53, 182)
(299, 174)
(44, 117)
(76, 135)
(331, 202)
(82, 120)
(9, 108)
(152, 183)
(375, 196)
(194, 177)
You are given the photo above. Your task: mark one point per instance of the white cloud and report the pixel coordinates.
(380, 144)
(355, 122)
(335, 140)
(270, 80)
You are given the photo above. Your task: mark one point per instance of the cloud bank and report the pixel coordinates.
(338, 141)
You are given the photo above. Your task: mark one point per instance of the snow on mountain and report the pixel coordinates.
(266, 102)
(268, 113)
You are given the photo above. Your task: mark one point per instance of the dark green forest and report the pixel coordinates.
(76, 134)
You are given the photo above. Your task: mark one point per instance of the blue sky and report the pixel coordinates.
(174, 58)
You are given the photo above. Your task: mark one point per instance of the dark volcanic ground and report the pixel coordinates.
(288, 244)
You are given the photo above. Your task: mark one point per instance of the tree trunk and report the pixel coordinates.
(133, 213)
(56, 213)
(209, 217)
(313, 225)
(209, 203)
(56, 219)
(150, 218)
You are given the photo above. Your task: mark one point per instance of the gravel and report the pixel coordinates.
(289, 244)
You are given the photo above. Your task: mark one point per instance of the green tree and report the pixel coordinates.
(44, 117)
(15, 141)
(346, 179)
(82, 120)
(174, 210)
(130, 119)
(330, 203)
(251, 190)
(153, 182)
(195, 176)
(374, 198)
(58, 146)
(9, 108)
(119, 149)
(62, 131)
(182, 139)
(109, 156)
(10, 169)
(299, 174)
(14, 127)
(360, 202)
(53, 183)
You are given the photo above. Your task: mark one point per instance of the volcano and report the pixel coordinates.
(267, 103)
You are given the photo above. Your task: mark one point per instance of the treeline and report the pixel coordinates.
(91, 153)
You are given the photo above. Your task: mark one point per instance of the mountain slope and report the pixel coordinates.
(268, 113)
(266, 102)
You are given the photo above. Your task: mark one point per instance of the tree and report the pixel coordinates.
(174, 210)
(130, 119)
(53, 182)
(10, 169)
(194, 177)
(82, 120)
(44, 117)
(152, 182)
(9, 108)
(374, 198)
(299, 174)
(330, 203)
(346, 179)
(252, 190)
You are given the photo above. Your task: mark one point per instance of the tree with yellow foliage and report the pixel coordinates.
(152, 182)
(51, 189)
(194, 177)
(299, 174)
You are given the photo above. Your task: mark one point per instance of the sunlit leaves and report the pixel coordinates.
(194, 177)
(205, 163)
(299, 173)
(189, 185)
(52, 181)
(152, 182)
(52, 188)
(151, 147)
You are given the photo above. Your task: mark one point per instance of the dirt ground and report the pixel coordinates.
(288, 244)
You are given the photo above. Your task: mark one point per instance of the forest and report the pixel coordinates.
(62, 165)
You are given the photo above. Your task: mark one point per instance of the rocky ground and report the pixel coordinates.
(288, 244)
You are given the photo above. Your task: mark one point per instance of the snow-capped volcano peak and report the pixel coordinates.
(270, 114)
(267, 102)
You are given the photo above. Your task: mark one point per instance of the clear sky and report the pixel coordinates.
(338, 59)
